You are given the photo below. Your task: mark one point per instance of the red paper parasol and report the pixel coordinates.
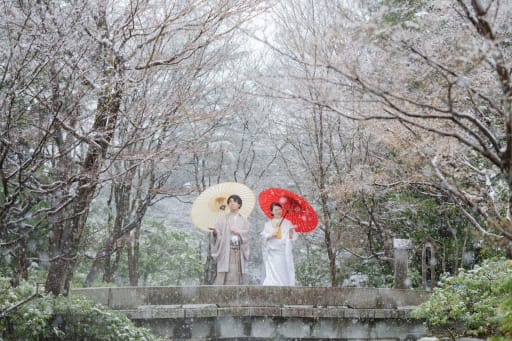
(295, 208)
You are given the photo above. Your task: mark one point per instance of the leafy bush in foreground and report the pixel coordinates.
(62, 318)
(467, 304)
(505, 316)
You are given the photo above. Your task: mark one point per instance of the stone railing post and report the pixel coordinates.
(401, 249)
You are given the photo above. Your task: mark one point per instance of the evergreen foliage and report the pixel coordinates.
(400, 11)
(168, 256)
(45, 317)
(505, 316)
(467, 304)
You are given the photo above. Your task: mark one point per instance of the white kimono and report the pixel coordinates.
(277, 254)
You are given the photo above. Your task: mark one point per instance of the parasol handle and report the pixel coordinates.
(282, 218)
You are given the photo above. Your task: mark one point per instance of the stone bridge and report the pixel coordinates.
(268, 313)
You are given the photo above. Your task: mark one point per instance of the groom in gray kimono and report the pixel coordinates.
(231, 247)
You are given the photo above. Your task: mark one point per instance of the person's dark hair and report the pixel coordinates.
(236, 198)
(272, 205)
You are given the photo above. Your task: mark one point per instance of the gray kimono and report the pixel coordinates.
(225, 242)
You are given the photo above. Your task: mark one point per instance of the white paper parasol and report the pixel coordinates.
(212, 204)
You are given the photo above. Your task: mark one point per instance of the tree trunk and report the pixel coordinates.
(331, 250)
(332, 257)
(108, 272)
(21, 268)
(133, 257)
(118, 237)
(67, 232)
(64, 244)
(93, 271)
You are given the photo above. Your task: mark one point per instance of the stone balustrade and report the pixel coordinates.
(263, 312)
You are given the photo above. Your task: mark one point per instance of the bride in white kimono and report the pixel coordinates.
(278, 235)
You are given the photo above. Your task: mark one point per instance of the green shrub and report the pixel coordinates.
(62, 318)
(467, 304)
(505, 316)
